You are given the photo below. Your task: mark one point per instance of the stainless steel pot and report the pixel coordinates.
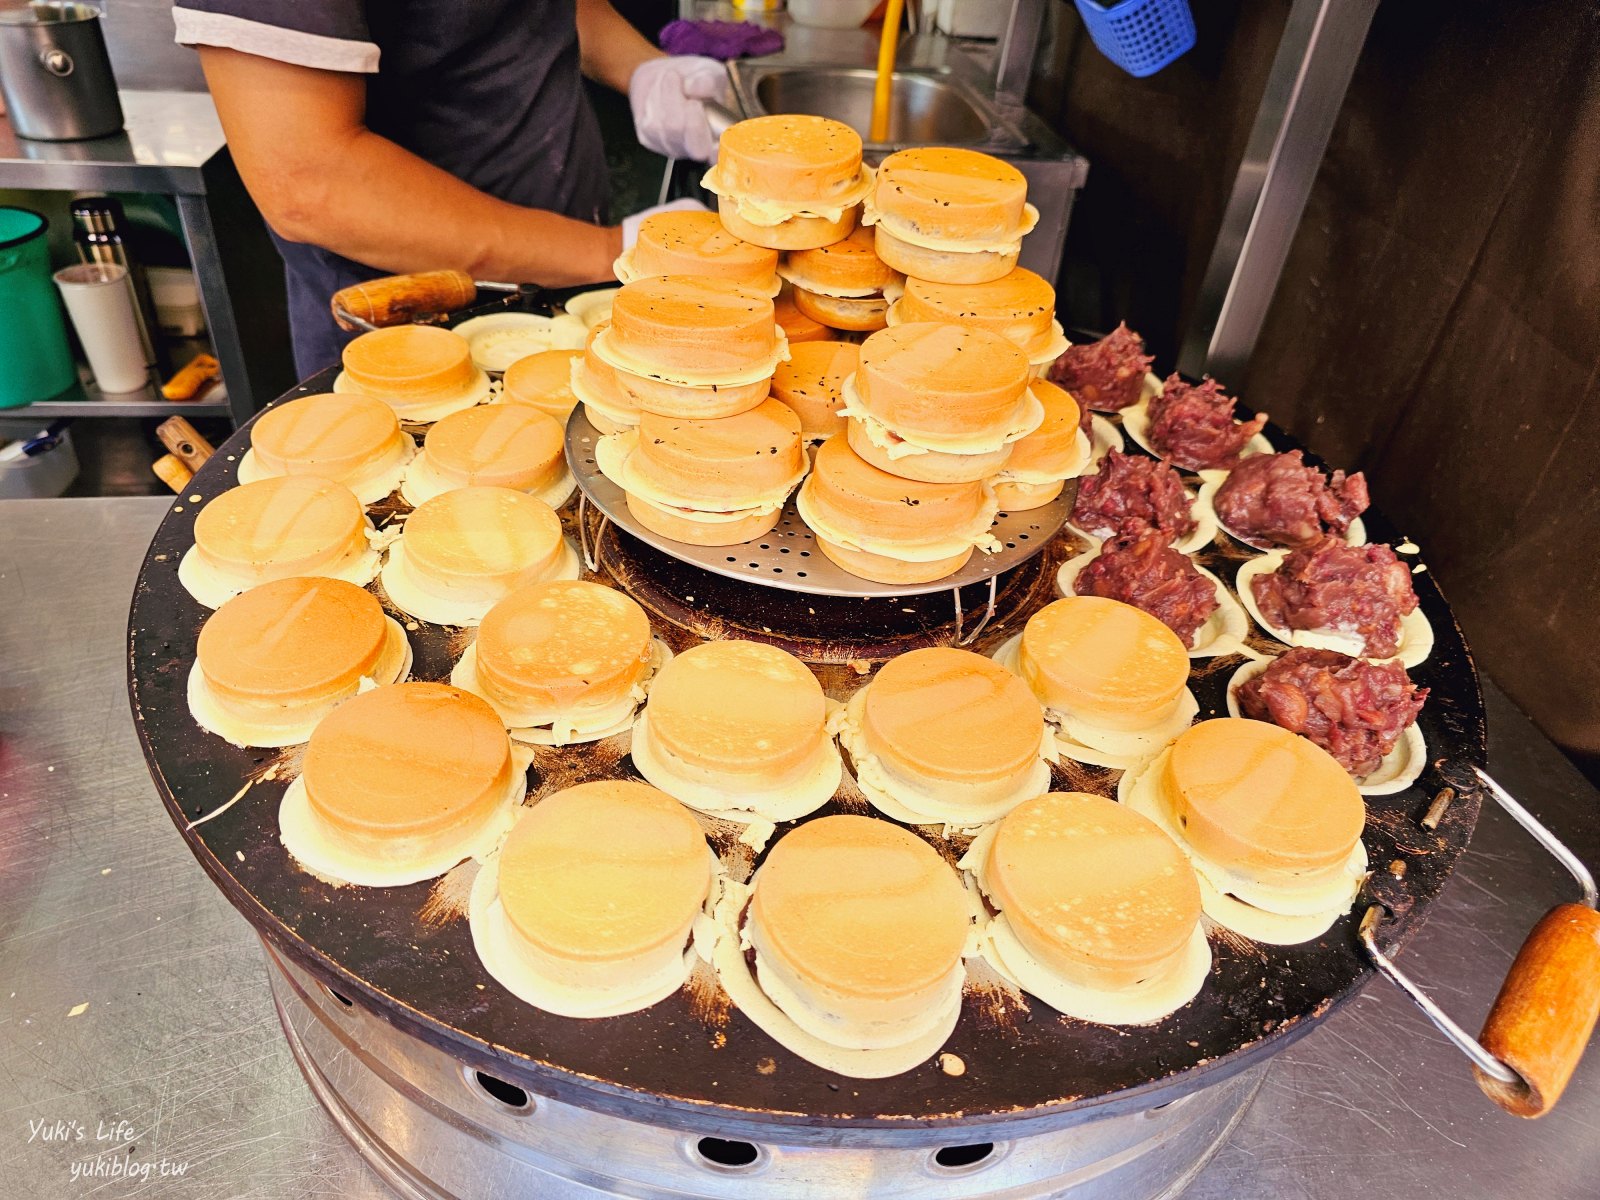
(55, 73)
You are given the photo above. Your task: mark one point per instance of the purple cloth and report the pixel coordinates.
(720, 39)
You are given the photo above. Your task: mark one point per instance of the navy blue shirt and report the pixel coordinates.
(488, 90)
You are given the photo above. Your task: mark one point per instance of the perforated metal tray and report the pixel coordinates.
(789, 557)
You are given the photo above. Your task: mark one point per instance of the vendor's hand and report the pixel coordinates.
(630, 225)
(668, 97)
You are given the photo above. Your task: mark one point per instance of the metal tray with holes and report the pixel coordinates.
(788, 557)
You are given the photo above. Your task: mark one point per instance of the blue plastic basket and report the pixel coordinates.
(1140, 36)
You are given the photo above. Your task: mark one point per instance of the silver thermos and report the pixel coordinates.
(98, 225)
(55, 73)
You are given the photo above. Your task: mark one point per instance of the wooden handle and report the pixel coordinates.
(1545, 1012)
(397, 299)
(180, 437)
(170, 469)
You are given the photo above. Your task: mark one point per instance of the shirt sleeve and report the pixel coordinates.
(329, 35)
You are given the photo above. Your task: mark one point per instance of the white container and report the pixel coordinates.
(177, 301)
(42, 477)
(831, 14)
(99, 299)
(971, 18)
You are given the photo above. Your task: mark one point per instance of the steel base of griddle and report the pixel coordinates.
(433, 1131)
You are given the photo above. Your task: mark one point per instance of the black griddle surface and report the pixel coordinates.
(690, 1061)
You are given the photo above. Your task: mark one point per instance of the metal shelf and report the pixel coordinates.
(86, 400)
(172, 143)
(49, 410)
(168, 139)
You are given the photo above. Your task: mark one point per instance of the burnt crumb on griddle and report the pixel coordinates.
(448, 897)
(709, 1003)
(1202, 667)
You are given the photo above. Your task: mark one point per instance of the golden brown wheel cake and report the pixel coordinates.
(947, 736)
(828, 890)
(562, 662)
(790, 181)
(739, 729)
(696, 243)
(275, 660)
(275, 528)
(843, 285)
(492, 445)
(1042, 462)
(587, 908)
(691, 346)
(949, 215)
(1096, 910)
(812, 384)
(707, 483)
(423, 372)
(939, 403)
(595, 384)
(350, 439)
(798, 326)
(891, 530)
(543, 381)
(468, 548)
(402, 783)
(1114, 681)
(1271, 822)
(1020, 306)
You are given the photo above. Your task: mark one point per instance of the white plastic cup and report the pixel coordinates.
(99, 299)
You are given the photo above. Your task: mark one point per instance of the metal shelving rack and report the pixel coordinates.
(172, 144)
(86, 400)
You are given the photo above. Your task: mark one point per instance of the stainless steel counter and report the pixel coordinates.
(136, 1029)
(167, 140)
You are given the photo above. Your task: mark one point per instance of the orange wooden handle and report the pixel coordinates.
(397, 299)
(170, 469)
(1545, 1012)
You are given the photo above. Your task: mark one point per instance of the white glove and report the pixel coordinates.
(669, 114)
(630, 225)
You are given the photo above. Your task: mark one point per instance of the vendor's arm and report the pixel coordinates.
(609, 47)
(319, 175)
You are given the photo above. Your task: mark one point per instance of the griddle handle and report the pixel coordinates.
(1545, 1012)
(400, 299)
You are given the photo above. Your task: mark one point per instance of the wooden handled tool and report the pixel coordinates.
(1545, 1012)
(189, 452)
(399, 299)
(1542, 1019)
(170, 470)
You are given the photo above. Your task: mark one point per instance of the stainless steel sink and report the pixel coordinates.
(926, 107)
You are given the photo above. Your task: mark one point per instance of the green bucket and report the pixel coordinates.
(35, 361)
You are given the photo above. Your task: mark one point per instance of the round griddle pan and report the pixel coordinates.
(692, 1061)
